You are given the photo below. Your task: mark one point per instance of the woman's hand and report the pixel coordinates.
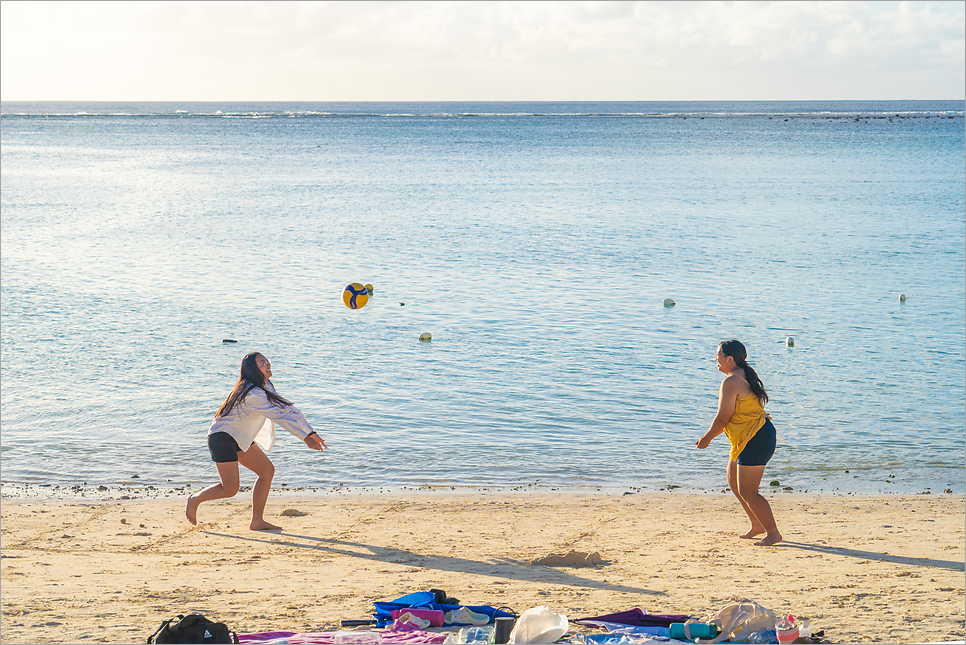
(315, 442)
(704, 441)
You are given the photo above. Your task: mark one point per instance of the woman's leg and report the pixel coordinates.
(228, 472)
(756, 527)
(749, 478)
(258, 462)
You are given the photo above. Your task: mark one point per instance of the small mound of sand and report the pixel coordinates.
(572, 559)
(292, 512)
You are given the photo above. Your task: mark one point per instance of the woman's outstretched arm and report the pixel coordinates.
(727, 398)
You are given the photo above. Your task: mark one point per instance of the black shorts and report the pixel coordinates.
(223, 447)
(760, 449)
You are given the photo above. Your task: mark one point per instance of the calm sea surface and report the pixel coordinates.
(535, 241)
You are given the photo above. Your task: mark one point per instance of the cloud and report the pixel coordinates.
(481, 50)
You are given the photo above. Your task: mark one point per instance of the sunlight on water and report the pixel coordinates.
(537, 250)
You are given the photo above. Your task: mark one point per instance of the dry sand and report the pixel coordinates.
(863, 569)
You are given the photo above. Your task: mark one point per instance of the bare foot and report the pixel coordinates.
(191, 510)
(755, 531)
(262, 525)
(769, 540)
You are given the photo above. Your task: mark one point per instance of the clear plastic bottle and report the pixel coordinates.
(476, 634)
(769, 636)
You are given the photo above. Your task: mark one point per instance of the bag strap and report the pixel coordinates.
(508, 610)
(152, 637)
(158, 631)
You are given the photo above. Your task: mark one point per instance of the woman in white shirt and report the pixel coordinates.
(243, 430)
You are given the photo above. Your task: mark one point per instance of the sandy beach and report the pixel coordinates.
(888, 569)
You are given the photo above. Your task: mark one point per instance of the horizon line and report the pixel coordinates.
(465, 100)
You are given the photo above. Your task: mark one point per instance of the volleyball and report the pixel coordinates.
(355, 296)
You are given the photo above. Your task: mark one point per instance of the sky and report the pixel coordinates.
(481, 51)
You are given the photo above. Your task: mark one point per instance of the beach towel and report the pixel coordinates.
(635, 631)
(428, 600)
(633, 638)
(637, 617)
(328, 638)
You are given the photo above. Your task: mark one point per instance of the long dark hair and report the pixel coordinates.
(737, 351)
(249, 377)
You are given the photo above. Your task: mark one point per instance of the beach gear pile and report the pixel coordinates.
(433, 617)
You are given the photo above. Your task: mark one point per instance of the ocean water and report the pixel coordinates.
(536, 242)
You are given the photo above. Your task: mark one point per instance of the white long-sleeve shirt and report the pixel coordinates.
(255, 417)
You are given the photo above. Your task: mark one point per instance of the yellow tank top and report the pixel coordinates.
(747, 420)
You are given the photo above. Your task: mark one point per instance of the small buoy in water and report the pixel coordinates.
(790, 342)
(369, 288)
(229, 340)
(425, 336)
(668, 302)
(902, 297)
(402, 304)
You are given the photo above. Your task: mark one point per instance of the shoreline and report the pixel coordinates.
(130, 490)
(864, 569)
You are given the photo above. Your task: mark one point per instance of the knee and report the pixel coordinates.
(748, 495)
(267, 472)
(230, 489)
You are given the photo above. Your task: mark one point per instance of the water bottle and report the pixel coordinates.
(804, 629)
(690, 631)
(763, 637)
(502, 627)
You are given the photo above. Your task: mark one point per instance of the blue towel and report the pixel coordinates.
(427, 600)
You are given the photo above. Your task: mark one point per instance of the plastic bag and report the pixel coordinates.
(738, 622)
(539, 625)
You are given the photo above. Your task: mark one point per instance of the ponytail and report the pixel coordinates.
(737, 351)
(754, 382)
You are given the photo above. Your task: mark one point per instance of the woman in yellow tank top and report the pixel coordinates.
(742, 418)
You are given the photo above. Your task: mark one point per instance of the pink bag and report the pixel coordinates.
(434, 616)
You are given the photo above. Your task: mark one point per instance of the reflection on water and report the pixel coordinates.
(538, 252)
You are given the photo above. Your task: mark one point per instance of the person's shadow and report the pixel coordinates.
(951, 565)
(496, 567)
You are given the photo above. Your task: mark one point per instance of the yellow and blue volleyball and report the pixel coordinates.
(355, 295)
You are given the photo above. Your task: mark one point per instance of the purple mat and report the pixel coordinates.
(637, 618)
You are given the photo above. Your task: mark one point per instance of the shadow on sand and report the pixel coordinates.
(881, 557)
(496, 568)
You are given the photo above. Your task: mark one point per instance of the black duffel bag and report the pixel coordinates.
(193, 628)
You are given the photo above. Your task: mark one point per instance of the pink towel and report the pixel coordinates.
(328, 638)
(434, 616)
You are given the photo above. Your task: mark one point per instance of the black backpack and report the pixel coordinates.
(194, 628)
